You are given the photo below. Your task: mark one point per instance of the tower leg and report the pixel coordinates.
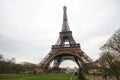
(56, 64)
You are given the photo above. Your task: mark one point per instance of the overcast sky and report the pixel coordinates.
(28, 28)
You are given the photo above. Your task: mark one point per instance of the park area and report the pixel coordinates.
(36, 77)
(48, 77)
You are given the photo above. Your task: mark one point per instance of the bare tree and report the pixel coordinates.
(110, 56)
(113, 44)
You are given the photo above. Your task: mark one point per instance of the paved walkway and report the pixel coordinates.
(72, 75)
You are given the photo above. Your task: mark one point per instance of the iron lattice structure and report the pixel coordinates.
(65, 48)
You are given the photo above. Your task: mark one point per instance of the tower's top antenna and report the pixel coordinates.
(65, 26)
(65, 8)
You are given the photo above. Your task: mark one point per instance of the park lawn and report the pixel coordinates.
(36, 77)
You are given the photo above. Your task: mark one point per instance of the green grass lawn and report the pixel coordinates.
(36, 77)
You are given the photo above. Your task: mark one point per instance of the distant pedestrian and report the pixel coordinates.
(104, 76)
(35, 72)
(80, 75)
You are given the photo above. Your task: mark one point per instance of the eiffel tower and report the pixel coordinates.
(65, 48)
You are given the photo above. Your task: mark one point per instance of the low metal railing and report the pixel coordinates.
(66, 46)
